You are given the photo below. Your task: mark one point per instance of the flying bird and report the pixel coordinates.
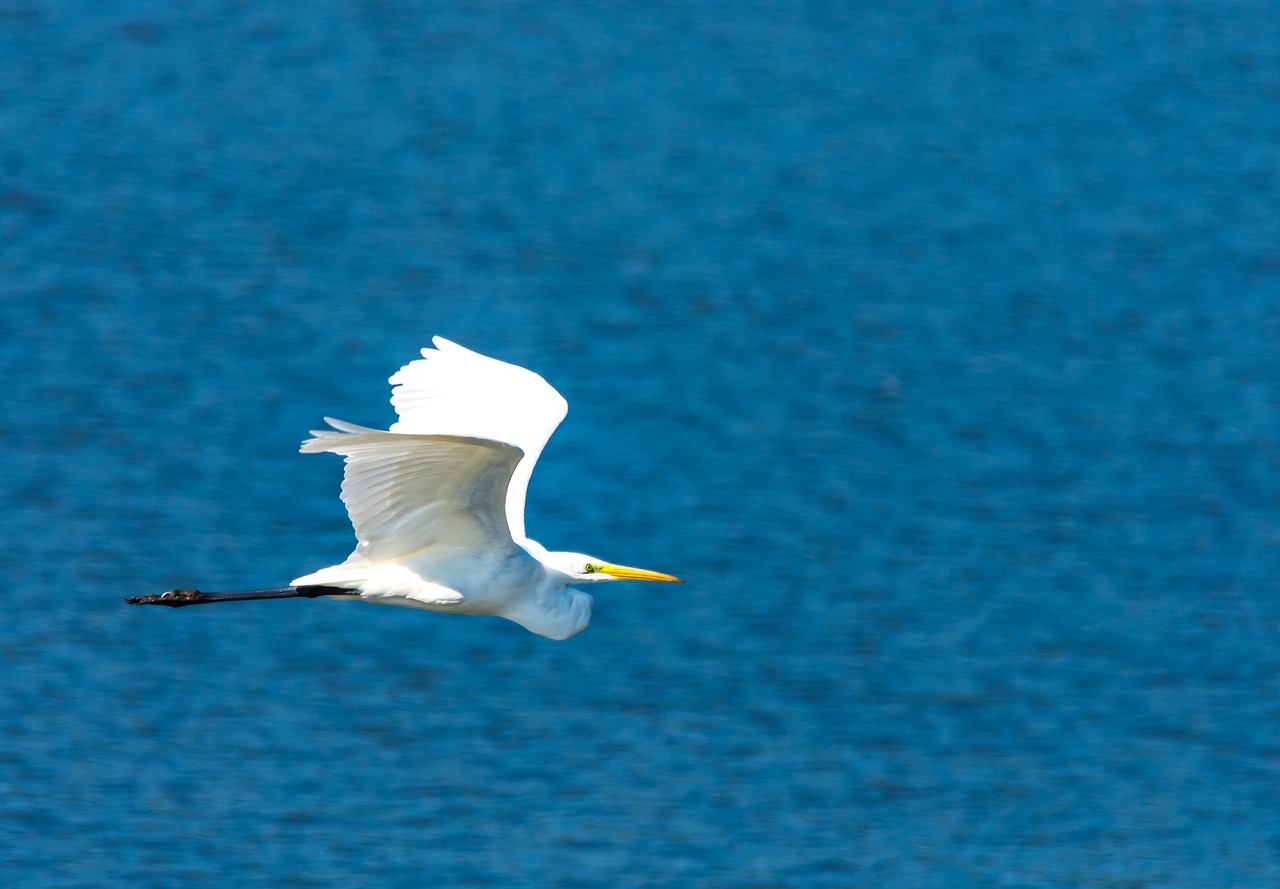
(437, 502)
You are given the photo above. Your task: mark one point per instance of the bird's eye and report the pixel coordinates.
(590, 569)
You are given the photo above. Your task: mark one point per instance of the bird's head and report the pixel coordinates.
(582, 568)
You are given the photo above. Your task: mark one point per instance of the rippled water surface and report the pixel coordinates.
(937, 347)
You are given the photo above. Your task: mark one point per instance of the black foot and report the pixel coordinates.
(173, 598)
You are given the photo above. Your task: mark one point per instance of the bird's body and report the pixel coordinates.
(437, 501)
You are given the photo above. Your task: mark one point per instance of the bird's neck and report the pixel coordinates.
(555, 610)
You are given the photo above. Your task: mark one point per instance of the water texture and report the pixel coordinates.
(935, 345)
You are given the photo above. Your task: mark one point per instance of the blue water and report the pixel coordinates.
(937, 347)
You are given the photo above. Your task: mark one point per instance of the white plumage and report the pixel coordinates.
(437, 501)
(454, 391)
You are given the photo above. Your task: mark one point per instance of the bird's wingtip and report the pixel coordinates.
(322, 439)
(438, 344)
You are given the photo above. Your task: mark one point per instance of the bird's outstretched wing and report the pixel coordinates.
(405, 492)
(454, 391)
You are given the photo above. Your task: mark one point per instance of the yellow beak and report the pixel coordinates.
(622, 572)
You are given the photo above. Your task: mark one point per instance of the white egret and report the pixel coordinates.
(437, 502)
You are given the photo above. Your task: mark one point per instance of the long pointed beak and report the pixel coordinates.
(622, 572)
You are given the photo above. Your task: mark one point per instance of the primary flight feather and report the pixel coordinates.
(437, 502)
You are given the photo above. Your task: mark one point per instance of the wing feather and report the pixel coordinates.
(406, 492)
(454, 391)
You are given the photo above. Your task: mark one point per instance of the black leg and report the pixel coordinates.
(180, 598)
